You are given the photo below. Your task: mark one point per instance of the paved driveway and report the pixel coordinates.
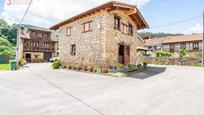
(39, 90)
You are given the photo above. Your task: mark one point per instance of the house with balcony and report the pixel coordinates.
(35, 44)
(102, 36)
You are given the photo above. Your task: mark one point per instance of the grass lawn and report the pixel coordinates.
(5, 67)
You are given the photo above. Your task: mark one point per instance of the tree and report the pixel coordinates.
(158, 35)
(6, 47)
(183, 53)
(9, 31)
(4, 42)
(13, 33)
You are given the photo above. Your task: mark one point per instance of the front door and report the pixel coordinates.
(127, 55)
(28, 57)
(121, 54)
(124, 54)
(47, 56)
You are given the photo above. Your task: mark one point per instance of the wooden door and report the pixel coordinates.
(127, 55)
(47, 56)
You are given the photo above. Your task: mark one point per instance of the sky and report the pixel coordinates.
(45, 13)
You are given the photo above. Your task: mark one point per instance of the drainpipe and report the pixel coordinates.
(203, 42)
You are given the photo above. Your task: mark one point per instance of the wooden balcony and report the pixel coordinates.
(39, 49)
(41, 37)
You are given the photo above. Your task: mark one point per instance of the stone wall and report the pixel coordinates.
(174, 61)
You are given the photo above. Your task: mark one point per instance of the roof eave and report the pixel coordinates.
(144, 21)
(106, 5)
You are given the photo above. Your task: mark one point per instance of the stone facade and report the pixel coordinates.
(101, 44)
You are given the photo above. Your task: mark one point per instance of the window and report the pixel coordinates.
(27, 42)
(35, 44)
(73, 50)
(39, 34)
(87, 26)
(171, 47)
(130, 30)
(117, 22)
(33, 34)
(195, 46)
(46, 45)
(36, 56)
(68, 31)
(45, 35)
(183, 45)
(125, 29)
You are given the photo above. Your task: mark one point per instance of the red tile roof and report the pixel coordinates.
(137, 16)
(184, 38)
(154, 41)
(174, 39)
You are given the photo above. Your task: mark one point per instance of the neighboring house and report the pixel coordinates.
(192, 43)
(35, 44)
(154, 44)
(105, 36)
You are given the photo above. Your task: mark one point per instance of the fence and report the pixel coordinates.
(4, 59)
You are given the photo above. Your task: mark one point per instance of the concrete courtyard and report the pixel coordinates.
(161, 90)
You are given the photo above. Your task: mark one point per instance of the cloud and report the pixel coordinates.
(48, 12)
(197, 28)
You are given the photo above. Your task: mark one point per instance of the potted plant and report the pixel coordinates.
(139, 66)
(120, 67)
(145, 64)
(131, 66)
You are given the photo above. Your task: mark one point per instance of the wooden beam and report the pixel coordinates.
(122, 6)
(131, 12)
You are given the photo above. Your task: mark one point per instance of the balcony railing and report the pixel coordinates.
(40, 37)
(42, 49)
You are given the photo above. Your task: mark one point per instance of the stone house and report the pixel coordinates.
(103, 36)
(35, 44)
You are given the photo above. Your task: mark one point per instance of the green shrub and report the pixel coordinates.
(183, 52)
(163, 54)
(145, 64)
(21, 62)
(139, 66)
(120, 66)
(131, 65)
(56, 64)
